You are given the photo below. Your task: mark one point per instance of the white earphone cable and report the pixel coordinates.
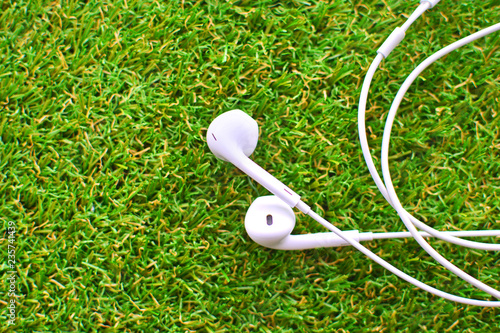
(235, 144)
(364, 236)
(391, 196)
(385, 163)
(378, 181)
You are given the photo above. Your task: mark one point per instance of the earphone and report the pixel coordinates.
(270, 220)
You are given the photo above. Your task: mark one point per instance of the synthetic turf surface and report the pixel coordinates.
(127, 223)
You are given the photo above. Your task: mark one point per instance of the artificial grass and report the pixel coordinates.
(126, 222)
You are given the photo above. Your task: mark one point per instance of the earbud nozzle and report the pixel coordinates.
(269, 220)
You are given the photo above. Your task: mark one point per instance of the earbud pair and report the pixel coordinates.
(270, 220)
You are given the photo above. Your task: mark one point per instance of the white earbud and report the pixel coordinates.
(231, 134)
(269, 222)
(232, 137)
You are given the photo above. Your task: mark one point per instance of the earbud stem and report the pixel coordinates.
(313, 241)
(264, 178)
